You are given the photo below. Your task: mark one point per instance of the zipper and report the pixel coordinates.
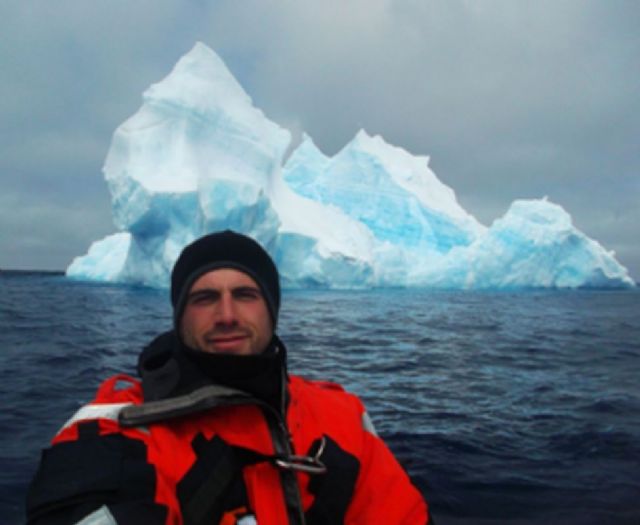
(282, 445)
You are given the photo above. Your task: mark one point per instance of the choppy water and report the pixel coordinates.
(515, 408)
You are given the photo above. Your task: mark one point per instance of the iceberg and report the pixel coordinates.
(198, 156)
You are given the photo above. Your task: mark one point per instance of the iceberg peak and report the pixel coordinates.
(202, 82)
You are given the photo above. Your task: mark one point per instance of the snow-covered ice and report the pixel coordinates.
(198, 156)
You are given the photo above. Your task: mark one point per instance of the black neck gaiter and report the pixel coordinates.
(169, 368)
(259, 375)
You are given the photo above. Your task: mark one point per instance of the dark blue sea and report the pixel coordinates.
(519, 408)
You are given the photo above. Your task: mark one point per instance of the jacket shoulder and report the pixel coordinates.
(316, 383)
(120, 388)
(304, 384)
(325, 394)
(111, 397)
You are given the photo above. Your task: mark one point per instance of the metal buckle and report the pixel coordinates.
(307, 464)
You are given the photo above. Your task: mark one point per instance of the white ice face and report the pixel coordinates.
(199, 157)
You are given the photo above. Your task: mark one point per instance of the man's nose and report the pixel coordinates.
(226, 310)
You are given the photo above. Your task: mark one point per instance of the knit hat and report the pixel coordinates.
(225, 249)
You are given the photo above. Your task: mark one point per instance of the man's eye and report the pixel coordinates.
(246, 294)
(202, 298)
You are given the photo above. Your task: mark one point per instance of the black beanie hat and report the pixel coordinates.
(225, 249)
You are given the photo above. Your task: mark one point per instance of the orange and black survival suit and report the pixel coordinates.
(220, 439)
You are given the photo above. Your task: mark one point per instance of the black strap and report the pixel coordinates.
(334, 490)
(214, 484)
(204, 398)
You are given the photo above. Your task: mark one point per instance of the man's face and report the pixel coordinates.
(225, 313)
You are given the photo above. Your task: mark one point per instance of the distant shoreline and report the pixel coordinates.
(32, 272)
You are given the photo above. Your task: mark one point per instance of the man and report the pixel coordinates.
(217, 431)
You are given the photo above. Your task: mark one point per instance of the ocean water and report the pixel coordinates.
(520, 408)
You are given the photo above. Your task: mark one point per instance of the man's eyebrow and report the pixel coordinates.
(203, 292)
(247, 288)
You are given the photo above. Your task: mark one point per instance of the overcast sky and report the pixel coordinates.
(510, 99)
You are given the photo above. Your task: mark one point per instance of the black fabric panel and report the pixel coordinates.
(333, 490)
(76, 477)
(214, 484)
(138, 513)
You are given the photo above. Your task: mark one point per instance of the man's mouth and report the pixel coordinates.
(228, 338)
(227, 341)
